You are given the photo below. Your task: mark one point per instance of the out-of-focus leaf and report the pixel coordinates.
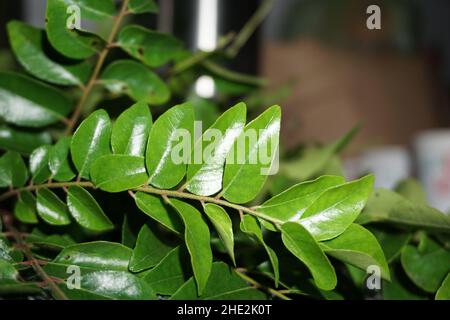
(30, 103)
(135, 80)
(443, 292)
(13, 171)
(143, 6)
(22, 141)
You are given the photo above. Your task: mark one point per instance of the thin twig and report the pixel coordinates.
(57, 292)
(101, 59)
(258, 285)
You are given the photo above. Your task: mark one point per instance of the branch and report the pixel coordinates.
(57, 292)
(101, 59)
(258, 285)
(162, 192)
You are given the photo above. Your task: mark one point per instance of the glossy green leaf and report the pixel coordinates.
(443, 292)
(51, 209)
(197, 237)
(28, 44)
(150, 249)
(72, 43)
(358, 247)
(95, 10)
(336, 209)
(254, 154)
(170, 273)
(426, 270)
(90, 256)
(291, 203)
(116, 285)
(39, 169)
(250, 225)
(205, 171)
(86, 210)
(30, 103)
(58, 160)
(143, 6)
(223, 284)
(388, 206)
(131, 129)
(115, 173)
(21, 140)
(151, 47)
(170, 143)
(155, 208)
(302, 244)
(25, 209)
(90, 141)
(13, 171)
(135, 80)
(223, 225)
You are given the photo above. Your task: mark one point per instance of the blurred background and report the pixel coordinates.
(329, 72)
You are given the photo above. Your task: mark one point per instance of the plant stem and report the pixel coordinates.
(258, 285)
(249, 28)
(57, 292)
(162, 192)
(101, 59)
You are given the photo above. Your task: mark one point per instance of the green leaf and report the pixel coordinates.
(7, 271)
(223, 225)
(254, 154)
(204, 173)
(72, 43)
(223, 284)
(29, 103)
(336, 209)
(164, 142)
(291, 203)
(412, 190)
(313, 160)
(86, 210)
(197, 237)
(358, 247)
(150, 249)
(391, 242)
(143, 6)
(443, 292)
(13, 171)
(151, 47)
(130, 131)
(170, 273)
(116, 285)
(250, 225)
(155, 208)
(90, 256)
(135, 80)
(388, 206)
(58, 160)
(22, 141)
(51, 209)
(95, 10)
(426, 270)
(28, 44)
(302, 244)
(39, 169)
(115, 173)
(25, 209)
(91, 141)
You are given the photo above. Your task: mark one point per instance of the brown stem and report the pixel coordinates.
(101, 59)
(257, 285)
(57, 292)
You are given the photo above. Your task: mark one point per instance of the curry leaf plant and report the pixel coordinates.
(110, 189)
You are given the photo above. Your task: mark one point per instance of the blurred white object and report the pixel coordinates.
(389, 164)
(432, 150)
